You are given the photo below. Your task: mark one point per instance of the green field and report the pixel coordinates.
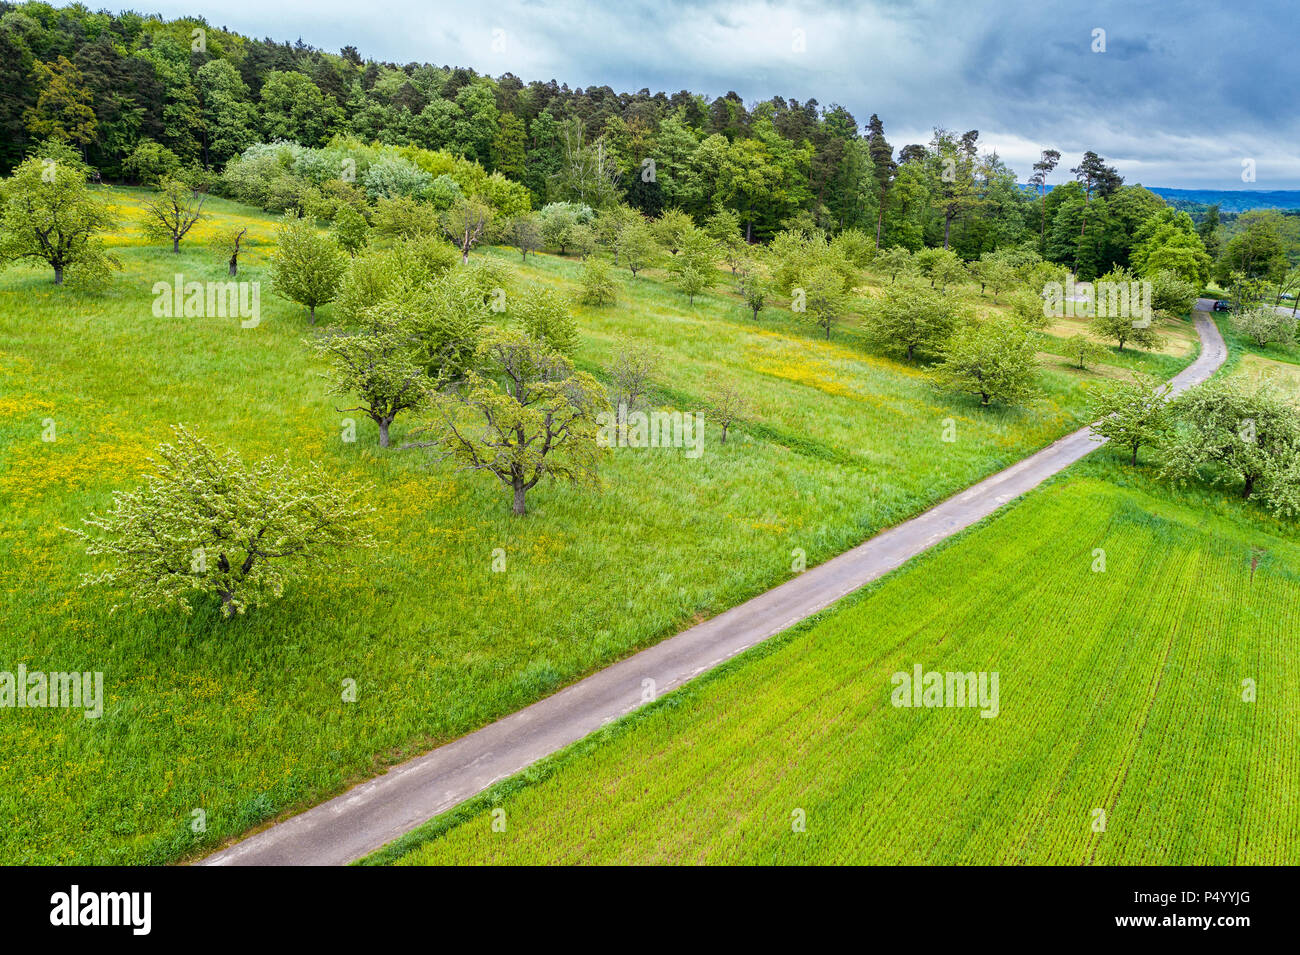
(244, 719)
(1119, 690)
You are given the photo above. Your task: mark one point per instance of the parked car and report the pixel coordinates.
(1221, 305)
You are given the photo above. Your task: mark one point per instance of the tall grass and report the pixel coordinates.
(245, 719)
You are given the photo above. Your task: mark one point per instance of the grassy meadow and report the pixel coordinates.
(1121, 690)
(244, 719)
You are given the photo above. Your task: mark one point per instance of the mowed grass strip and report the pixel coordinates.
(1120, 691)
(245, 719)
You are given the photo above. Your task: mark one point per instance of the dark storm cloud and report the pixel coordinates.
(1182, 94)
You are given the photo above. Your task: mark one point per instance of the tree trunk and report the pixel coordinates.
(1250, 485)
(234, 265)
(1134, 460)
(724, 433)
(880, 218)
(58, 275)
(383, 431)
(176, 244)
(313, 314)
(464, 255)
(519, 498)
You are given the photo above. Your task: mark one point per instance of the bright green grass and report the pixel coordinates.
(1119, 690)
(244, 719)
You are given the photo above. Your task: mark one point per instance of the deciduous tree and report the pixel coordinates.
(524, 233)
(63, 110)
(1263, 324)
(1232, 432)
(306, 266)
(50, 215)
(910, 318)
(597, 280)
(524, 416)
(379, 363)
(1134, 414)
(1083, 351)
(207, 523)
(631, 373)
(727, 404)
(545, 315)
(172, 211)
(993, 359)
(466, 224)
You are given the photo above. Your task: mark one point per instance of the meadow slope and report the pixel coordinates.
(245, 719)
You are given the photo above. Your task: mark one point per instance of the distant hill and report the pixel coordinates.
(1229, 200)
(1232, 200)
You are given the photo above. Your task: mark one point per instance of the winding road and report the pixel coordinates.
(382, 809)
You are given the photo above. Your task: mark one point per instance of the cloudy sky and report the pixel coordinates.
(1173, 93)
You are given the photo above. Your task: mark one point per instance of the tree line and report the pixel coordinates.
(135, 93)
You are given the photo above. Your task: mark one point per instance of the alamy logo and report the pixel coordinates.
(34, 690)
(134, 909)
(181, 299)
(1106, 299)
(658, 429)
(936, 689)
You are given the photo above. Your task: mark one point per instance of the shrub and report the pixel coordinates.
(391, 177)
(249, 175)
(1083, 351)
(598, 286)
(546, 317)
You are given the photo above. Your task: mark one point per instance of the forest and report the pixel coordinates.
(142, 97)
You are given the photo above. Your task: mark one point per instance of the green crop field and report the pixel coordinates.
(1122, 733)
(244, 719)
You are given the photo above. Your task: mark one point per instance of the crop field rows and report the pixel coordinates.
(1120, 690)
